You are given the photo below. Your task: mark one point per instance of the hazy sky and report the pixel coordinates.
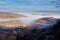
(27, 5)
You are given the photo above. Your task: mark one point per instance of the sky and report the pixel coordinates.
(27, 5)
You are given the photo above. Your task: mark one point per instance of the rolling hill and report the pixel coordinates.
(13, 23)
(6, 15)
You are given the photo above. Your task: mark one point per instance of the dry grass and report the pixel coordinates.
(13, 23)
(5, 15)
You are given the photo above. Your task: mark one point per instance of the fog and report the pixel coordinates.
(32, 16)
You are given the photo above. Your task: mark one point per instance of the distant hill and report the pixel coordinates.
(41, 21)
(17, 23)
(6, 15)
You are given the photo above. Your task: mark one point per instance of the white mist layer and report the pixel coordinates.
(32, 17)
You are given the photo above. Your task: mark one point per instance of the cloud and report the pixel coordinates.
(19, 5)
(24, 2)
(16, 1)
(6, 1)
(29, 0)
(27, 8)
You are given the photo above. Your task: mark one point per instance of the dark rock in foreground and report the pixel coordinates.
(46, 31)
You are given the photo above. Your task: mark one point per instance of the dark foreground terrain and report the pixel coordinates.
(49, 30)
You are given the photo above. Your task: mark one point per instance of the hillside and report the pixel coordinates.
(41, 21)
(6, 15)
(13, 23)
(44, 31)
